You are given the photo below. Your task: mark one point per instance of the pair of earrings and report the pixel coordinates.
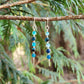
(46, 40)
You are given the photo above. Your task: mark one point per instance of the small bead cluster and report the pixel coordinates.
(33, 44)
(47, 44)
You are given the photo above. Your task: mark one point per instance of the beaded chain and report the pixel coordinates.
(47, 42)
(33, 41)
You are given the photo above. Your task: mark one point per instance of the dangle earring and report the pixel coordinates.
(33, 41)
(47, 41)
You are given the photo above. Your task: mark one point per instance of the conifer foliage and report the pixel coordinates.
(17, 32)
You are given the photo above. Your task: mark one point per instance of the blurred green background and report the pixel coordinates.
(66, 39)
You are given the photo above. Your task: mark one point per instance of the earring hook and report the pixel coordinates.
(34, 20)
(47, 20)
(34, 25)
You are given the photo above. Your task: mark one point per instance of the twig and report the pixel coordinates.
(39, 62)
(15, 3)
(70, 17)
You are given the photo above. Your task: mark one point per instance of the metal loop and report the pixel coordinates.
(47, 27)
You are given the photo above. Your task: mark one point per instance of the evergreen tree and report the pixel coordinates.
(14, 32)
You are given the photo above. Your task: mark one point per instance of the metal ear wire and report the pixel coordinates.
(47, 23)
(47, 20)
(34, 25)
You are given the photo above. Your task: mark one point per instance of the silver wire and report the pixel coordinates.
(34, 24)
(47, 24)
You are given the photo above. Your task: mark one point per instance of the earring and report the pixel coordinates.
(47, 41)
(33, 41)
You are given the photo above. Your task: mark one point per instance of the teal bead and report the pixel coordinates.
(34, 33)
(48, 56)
(33, 49)
(33, 44)
(46, 39)
(48, 45)
(33, 55)
(47, 33)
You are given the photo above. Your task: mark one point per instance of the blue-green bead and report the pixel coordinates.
(33, 44)
(33, 49)
(47, 33)
(33, 55)
(47, 45)
(33, 38)
(34, 33)
(48, 50)
(48, 56)
(46, 39)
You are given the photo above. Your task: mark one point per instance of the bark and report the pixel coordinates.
(15, 3)
(70, 17)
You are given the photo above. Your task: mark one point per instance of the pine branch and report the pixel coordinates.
(38, 62)
(70, 17)
(43, 4)
(4, 2)
(15, 3)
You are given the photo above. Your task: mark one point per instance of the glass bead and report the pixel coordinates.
(48, 50)
(33, 44)
(46, 39)
(48, 45)
(47, 33)
(33, 49)
(33, 38)
(33, 55)
(48, 56)
(34, 33)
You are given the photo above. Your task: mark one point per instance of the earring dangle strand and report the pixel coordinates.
(33, 41)
(47, 42)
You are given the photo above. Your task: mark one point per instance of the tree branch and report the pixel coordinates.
(39, 62)
(15, 3)
(71, 17)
